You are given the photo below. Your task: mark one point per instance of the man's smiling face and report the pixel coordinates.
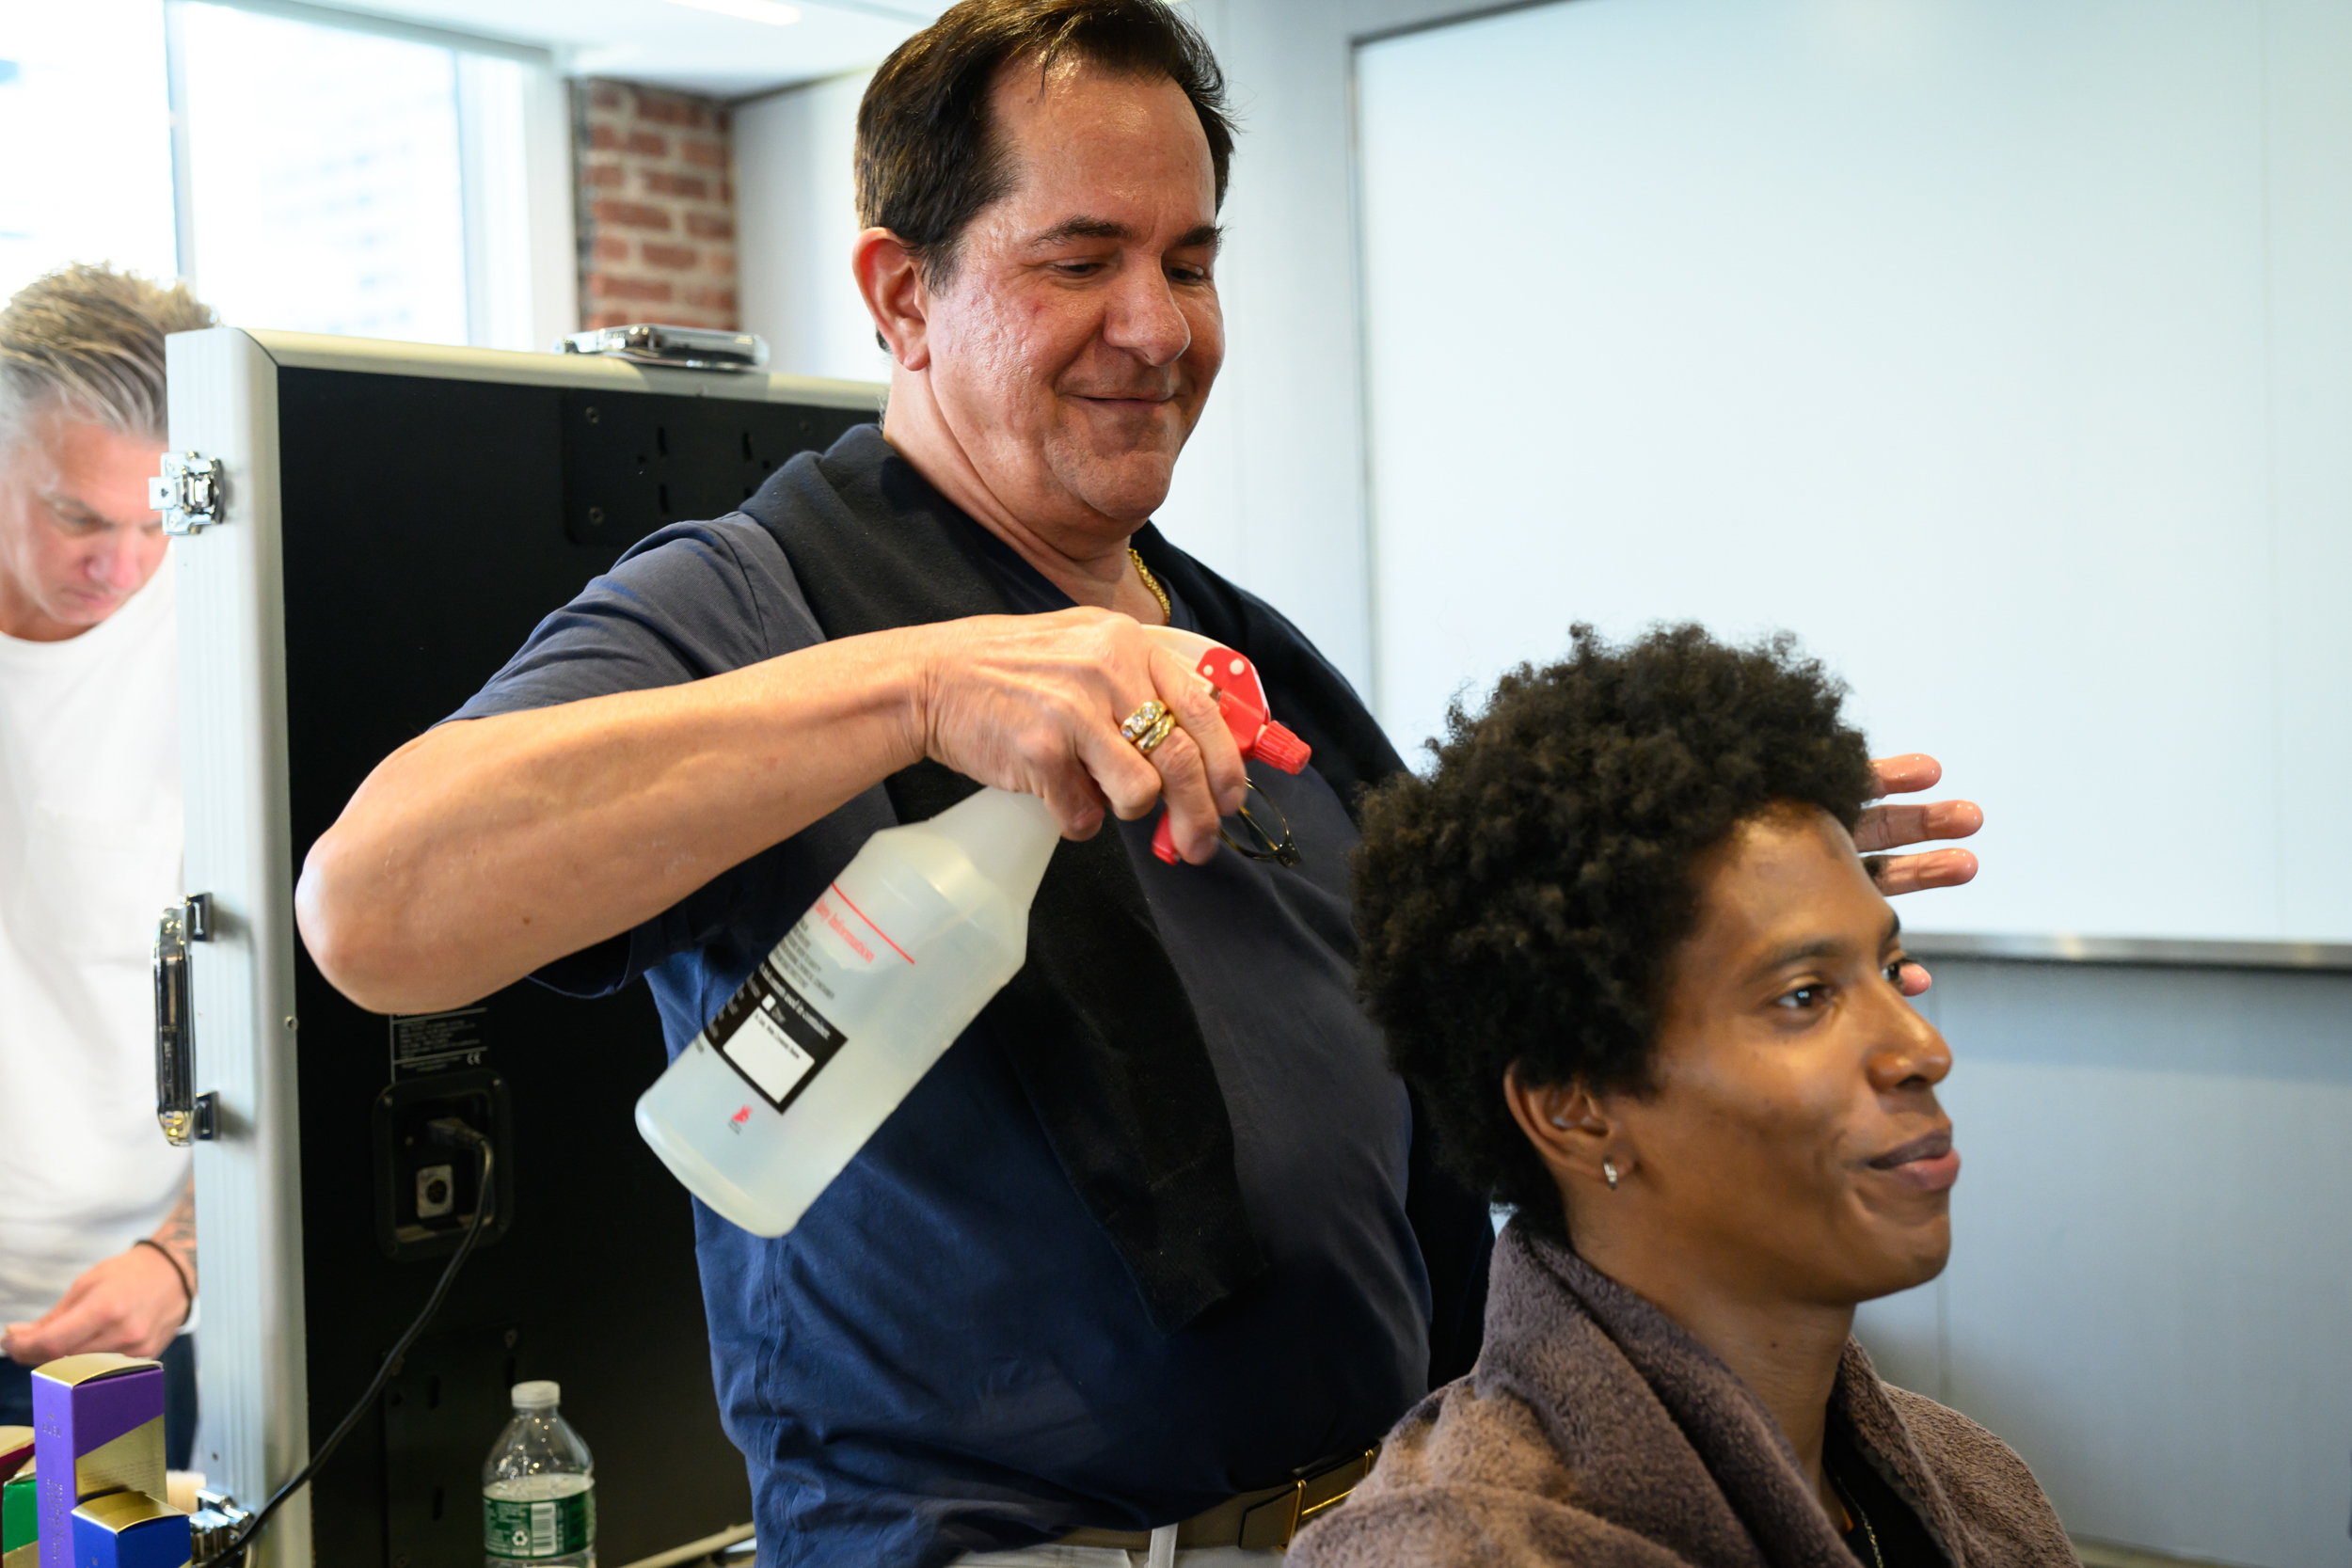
(1074, 341)
(76, 536)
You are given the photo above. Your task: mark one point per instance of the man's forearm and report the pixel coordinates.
(482, 851)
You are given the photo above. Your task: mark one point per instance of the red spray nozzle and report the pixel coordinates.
(1280, 748)
(1260, 737)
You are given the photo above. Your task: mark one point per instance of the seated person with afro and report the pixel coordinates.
(1627, 956)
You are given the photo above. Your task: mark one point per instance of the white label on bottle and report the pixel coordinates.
(772, 1031)
(769, 1031)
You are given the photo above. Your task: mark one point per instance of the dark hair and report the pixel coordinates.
(928, 158)
(1520, 905)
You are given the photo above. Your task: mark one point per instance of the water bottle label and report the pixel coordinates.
(771, 1030)
(525, 1530)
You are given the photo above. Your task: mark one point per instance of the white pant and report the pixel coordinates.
(1111, 1556)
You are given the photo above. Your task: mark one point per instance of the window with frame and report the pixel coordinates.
(298, 173)
(346, 181)
(87, 120)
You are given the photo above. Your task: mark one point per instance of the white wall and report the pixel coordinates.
(554, 228)
(1271, 492)
(1991, 348)
(796, 217)
(2153, 1259)
(522, 248)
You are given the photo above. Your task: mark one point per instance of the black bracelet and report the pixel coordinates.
(187, 1286)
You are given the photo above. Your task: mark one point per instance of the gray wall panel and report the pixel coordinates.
(2151, 1250)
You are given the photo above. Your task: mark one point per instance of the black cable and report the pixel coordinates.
(451, 1131)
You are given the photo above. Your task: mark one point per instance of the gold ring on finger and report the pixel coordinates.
(1139, 722)
(1148, 741)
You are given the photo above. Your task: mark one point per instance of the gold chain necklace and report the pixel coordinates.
(1167, 611)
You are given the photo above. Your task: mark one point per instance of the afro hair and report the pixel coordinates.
(1519, 905)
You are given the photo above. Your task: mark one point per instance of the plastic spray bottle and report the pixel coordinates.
(894, 960)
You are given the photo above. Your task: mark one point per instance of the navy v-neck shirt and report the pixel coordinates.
(946, 1353)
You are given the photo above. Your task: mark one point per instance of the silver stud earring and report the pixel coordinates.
(1609, 1173)
(1560, 1122)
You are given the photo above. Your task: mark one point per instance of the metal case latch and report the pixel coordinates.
(187, 492)
(186, 1115)
(687, 348)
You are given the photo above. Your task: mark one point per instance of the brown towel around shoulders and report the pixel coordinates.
(1595, 1431)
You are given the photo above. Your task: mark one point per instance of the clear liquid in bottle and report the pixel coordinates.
(763, 1108)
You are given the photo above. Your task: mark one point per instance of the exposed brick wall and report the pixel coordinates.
(657, 207)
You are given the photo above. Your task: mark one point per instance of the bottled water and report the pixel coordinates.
(539, 1489)
(764, 1106)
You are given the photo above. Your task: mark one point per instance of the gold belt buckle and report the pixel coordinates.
(1274, 1522)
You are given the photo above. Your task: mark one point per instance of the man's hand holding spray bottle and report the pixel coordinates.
(893, 962)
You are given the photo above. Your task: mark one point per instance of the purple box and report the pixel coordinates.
(98, 1427)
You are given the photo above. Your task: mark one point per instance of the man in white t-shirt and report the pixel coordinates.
(97, 1211)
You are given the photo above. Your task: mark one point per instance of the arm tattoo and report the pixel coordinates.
(177, 1234)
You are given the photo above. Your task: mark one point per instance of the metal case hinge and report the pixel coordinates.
(213, 1528)
(187, 492)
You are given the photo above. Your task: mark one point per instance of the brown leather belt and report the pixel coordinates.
(1260, 1520)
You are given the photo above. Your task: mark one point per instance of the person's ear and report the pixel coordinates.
(891, 279)
(1574, 1134)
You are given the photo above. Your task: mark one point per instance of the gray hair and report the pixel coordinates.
(88, 342)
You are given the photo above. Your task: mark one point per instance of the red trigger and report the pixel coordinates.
(1241, 703)
(1228, 671)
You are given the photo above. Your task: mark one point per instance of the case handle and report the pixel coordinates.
(186, 1115)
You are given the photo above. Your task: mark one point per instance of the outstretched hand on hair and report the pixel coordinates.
(1891, 826)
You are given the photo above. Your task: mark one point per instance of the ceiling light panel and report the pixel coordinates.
(750, 10)
(719, 48)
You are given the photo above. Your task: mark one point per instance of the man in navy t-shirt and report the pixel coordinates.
(954, 1351)
(946, 1352)
(1154, 1254)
